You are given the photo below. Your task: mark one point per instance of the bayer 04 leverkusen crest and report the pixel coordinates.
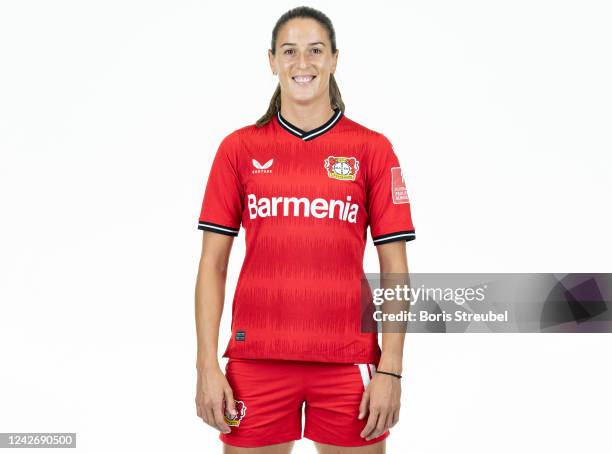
(342, 168)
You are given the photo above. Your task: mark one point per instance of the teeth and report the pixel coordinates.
(303, 79)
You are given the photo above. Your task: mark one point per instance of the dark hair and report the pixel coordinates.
(325, 22)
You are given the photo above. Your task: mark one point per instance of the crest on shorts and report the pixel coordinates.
(240, 412)
(342, 168)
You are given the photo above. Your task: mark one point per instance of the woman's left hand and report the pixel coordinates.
(382, 400)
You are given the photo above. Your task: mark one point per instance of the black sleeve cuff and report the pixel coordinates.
(404, 235)
(218, 228)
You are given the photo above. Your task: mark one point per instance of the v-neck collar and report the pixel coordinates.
(313, 133)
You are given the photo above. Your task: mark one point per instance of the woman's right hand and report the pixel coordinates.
(213, 390)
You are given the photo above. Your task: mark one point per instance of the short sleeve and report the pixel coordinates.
(387, 195)
(222, 204)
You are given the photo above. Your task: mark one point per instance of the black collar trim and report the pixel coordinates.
(316, 132)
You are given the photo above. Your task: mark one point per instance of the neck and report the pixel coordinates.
(306, 116)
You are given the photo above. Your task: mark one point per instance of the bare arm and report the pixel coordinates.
(212, 386)
(382, 397)
(209, 296)
(393, 259)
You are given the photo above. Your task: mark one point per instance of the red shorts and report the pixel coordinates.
(269, 395)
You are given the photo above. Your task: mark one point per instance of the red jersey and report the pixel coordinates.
(305, 200)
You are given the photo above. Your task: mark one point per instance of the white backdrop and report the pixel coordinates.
(110, 113)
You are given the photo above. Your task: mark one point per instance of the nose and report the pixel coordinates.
(302, 60)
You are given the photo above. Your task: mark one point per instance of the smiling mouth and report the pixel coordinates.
(303, 80)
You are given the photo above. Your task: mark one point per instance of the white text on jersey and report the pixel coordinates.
(318, 208)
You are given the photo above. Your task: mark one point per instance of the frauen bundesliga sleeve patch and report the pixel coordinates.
(399, 193)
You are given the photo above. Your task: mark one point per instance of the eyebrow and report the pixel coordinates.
(310, 44)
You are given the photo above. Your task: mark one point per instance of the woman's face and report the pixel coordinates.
(303, 60)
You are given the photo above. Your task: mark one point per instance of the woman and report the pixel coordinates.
(304, 182)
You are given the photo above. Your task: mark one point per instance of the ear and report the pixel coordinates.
(334, 61)
(271, 61)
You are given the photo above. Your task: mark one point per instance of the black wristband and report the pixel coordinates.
(388, 373)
